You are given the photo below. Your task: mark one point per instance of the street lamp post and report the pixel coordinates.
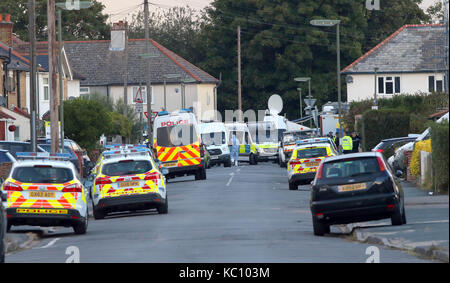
(303, 80)
(375, 101)
(61, 7)
(331, 23)
(301, 103)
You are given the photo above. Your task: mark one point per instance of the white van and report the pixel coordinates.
(215, 136)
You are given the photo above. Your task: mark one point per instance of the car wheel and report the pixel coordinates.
(404, 217)
(397, 217)
(253, 160)
(320, 229)
(203, 174)
(8, 228)
(164, 209)
(227, 163)
(81, 228)
(293, 187)
(98, 213)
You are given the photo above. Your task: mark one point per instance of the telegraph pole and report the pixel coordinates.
(52, 62)
(239, 75)
(125, 77)
(32, 34)
(148, 78)
(447, 45)
(61, 83)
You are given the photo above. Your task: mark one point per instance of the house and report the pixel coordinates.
(171, 76)
(18, 92)
(71, 78)
(412, 60)
(13, 88)
(14, 124)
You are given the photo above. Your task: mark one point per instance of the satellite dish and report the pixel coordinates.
(275, 104)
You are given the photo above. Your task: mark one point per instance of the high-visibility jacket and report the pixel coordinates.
(347, 143)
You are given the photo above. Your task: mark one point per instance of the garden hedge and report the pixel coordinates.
(440, 155)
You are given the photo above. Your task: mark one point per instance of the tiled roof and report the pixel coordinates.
(100, 66)
(412, 48)
(3, 115)
(18, 63)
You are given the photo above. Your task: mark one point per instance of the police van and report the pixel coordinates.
(45, 189)
(266, 138)
(215, 137)
(247, 148)
(177, 144)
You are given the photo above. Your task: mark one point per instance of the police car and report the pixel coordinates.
(305, 160)
(44, 189)
(128, 180)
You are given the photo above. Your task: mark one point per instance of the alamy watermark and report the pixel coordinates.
(373, 5)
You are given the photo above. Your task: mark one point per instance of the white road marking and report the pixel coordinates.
(231, 179)
(51, 243)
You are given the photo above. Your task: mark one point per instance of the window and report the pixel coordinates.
(17, 134)
(46, 89)
(431, 84)
(389, 85)
(84, 91)
(439, 86)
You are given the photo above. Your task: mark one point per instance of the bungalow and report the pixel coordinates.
(412, 60)
(175, 82)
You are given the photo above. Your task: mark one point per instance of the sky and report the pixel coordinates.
(120, 9)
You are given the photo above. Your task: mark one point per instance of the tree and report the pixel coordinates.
(279, 44)
(436, 12)
(77, 25)
(176, 29)
(85, 121)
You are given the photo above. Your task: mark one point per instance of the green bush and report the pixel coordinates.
(377, 125)
(85, 121)
(440, 155)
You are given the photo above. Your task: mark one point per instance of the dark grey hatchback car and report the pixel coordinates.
(355, 188)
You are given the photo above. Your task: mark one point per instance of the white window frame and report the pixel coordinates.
(385, 82)
(85, 93)
(46, 86)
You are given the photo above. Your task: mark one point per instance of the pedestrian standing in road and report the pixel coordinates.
(356, 142)
(347, 144)
(235, 150)
(336, 140)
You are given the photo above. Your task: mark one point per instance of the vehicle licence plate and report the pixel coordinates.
(42, 195)
(172, 164)
(352, 188)
(41, 211)
(128, 184)
(214, 157)
(312, 164)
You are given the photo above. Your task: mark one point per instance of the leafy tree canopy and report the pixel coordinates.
(85, 24)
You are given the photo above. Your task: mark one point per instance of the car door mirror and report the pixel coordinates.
(165, 171)
(399, 173)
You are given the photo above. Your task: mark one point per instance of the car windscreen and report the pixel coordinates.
(312, 152)
(48, 148)
(173, 136)
(351, 168)
(127, 167)
(42, 174)
(216, 138)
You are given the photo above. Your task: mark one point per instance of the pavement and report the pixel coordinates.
(241, 214)
(427, 231)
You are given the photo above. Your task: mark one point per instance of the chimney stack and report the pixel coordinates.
(6, 29)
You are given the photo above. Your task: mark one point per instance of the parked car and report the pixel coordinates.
(388, 146)
(67, 149)
(398, 161)
(5, 156)
(355, 188)
(2, 227)
(14, 147)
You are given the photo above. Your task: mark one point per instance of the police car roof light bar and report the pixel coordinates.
(43, 155)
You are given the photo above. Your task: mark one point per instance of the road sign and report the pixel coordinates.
(139, 108)
(138, 96)
(310, 102)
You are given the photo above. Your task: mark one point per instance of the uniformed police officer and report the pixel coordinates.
(347, 144)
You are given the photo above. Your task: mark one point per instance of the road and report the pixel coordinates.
(239, 214)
